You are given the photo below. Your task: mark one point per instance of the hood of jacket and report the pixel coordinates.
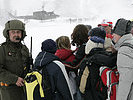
(44, 58)
(90, 44)
(64, 54)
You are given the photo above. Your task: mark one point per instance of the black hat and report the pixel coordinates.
(49, 45)
(122, 27)
(98, 32)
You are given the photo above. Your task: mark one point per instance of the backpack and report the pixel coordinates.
(37, 85)
(89, 80)
(110, 78)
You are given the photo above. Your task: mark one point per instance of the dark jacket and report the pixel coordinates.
(58, 82)
(13, 59)
(80, 54)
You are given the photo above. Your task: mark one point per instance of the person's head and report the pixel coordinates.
(97, 35)
(63, 42)
(121, 28)
(49, 45)
(79, 35)
(107, 25)
(14, 30)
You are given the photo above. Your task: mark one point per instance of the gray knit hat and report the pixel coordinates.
(122, 27)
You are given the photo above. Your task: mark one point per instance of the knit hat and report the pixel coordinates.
(122, 27)
(97, 35)
(49, 45)
(99, 32)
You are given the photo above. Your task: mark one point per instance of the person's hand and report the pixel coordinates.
(20, 82)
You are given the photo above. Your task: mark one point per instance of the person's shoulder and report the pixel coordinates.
(2, 44)
(126, 49)
(25, 47)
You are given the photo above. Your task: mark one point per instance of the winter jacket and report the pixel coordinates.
(80, 54)
(125, 68)
(65, 55)
(68, 56)
(58, 82)
(13, 59)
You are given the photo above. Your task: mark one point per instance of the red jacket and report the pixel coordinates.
(65, 55)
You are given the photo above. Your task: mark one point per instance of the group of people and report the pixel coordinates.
(63, 64)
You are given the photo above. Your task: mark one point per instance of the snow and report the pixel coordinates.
(41, 31)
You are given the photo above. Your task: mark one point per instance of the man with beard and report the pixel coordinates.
(13, 61)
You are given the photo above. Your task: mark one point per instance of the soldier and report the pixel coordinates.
(13, 61)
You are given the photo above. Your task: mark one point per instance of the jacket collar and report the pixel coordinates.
(91, 44)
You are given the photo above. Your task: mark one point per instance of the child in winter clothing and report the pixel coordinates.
(58, 77)
(65, 53)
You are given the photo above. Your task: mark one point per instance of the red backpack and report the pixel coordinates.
(110, 78)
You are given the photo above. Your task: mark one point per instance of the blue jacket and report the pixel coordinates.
(58, 82)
